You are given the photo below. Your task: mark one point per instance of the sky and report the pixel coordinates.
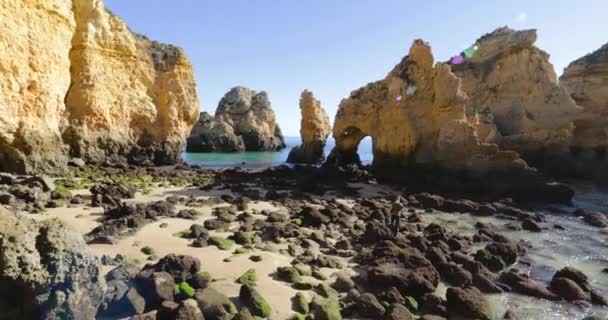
(333, 47)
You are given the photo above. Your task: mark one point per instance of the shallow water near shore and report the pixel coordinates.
(579, 245)
(257, 160)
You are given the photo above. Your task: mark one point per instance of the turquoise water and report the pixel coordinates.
(265, 159)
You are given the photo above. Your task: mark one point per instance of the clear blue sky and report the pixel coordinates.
(335, 46)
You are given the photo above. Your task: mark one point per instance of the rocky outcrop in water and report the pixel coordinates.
(314, 130)
(244, 121)
(76, 82)
(417, 121)
(513, 88)
(47, 271)
(587, 81)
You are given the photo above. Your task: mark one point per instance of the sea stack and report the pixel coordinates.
(86, 86)
(587, 81)
(417, 121)
(513, 89)
(314, 130)
(244, 121)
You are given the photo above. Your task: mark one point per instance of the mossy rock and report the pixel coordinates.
(317, 274)
(147, 250)
(254, 301)
(61, 192)
(298, 316)
(288, 274)
(132, 262)
(325, 309)
(241, 250)
(255, 258)
(304, 270)
(248, 278)
(326, 291)
(186, 233)
(244, 314)
(303, 285)
(221, 243)
(411, 303)
(183, 289)
(244, 238)
(300, 303)
(492, 262)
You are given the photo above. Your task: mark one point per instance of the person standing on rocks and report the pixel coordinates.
(394, 219)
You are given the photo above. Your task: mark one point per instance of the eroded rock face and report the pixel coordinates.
(314, 130)
(211, 135)
(587, 81)
(34, 78)
(76, 81)
(47, 271)
(513, 87)
(244, 121)
(416, 118)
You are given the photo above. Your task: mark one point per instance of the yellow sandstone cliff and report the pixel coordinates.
(76, 82)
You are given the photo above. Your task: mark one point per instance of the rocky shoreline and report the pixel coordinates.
(331, 250)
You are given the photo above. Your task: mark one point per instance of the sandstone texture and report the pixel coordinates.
(76, 82)
(47, 271)
(587, 81)
(314, 131)
(513, 87)
(416, 118)
(243, 121)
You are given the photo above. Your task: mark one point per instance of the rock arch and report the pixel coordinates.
(420, 131)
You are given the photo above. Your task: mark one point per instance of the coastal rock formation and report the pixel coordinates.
(314, 130)
(47, 271)
(76, 81)
(587, 81)
(212, 135)
(244, 121)
(34, 78)
(416, 119)
(513, 89)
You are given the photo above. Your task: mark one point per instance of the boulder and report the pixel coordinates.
(47, 270)
(155, 287)
(398, 312)
(314, 130)
(243, 121)
(467, 303)
(180, 267)
(254, 301)
(214, 304)
(188, 310)
(325, 309)
(567, 289)
(369, 306)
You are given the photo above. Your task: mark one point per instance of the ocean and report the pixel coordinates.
(256, 160)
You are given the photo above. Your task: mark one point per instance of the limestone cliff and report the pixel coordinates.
(244, 121)
(34, 78)
(587, 81)
(77, 82)
(513, 88)
(314, 130)
(421, 133)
